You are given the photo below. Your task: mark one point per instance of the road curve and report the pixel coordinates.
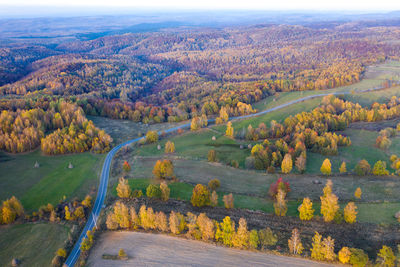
(105, 172)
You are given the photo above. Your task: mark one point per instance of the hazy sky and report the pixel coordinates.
(369, 5)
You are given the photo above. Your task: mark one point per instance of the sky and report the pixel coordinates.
(343, 5)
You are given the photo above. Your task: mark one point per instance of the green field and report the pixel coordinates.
(33, 244)
(183, 191)
(51, 181)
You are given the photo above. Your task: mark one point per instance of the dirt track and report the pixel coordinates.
(146, 249)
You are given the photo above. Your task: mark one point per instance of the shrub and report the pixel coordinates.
(344, 255)
(358, 193)
(153, 191)
(214, 184)
(200, 196)
(358, 257)
(250, 163)
(61, 252)
(165, 191)
(306, 212)
(163, 169)
(271, 169)
(380, 168)
(137, 193)
(212, 156)
(169, 147)
(267, 238)
(228, 201)
(122, 254)
(234, 163)
(362, 168)
(126, 167)
(151, 137)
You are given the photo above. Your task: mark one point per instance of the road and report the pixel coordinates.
(105, 173)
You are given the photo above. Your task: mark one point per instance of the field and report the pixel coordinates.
(145, 249)
(33, 244)
(51, 181)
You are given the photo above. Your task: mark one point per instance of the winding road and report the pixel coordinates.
(105, 173)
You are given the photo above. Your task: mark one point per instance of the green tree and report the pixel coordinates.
(153, 191)
(386, 257)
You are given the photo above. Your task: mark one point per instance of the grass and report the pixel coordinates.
(51, 181)
(183, 191)
(33, 244)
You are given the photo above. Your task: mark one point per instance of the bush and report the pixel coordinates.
(267, 238)
(234, 163)
(137, 193)
(250, 163)
(362, 168)
(214, 184)
(358, 257)
(151, 137)
(271, 169)
(153, 191)
(200, 196)
(122, 254)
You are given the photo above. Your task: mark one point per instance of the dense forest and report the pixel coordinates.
(176, 74)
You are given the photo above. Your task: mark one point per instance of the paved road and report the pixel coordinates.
(105, 173)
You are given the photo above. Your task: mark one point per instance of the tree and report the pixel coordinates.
(87, 202)
(343, 168)
(206, 227)
(254, 241)
(153, 191)
(122, 254)
(214, 199)
(66, 212)
(123, 188)
(225, 231)
(151, 137)
(306, 212)
(165, 191)
(326, 167)
(176, 222)
(329, 203)
(214, 184)
(241, 237)
(212, 156)
(161, 222)
(267, 237)
(300, 164)
(350, 213)
(344, 255)
(279, 184)
(287, 164)
(228, 201)
(328, 247)
(362, 168)
(294, 243)
(163, 169)
(386, 257)
(229, 130)
(317, 252)
(126, 167)
(200, 196)
(61, 253)
(121, 215)
(169, 147)
(358, 193)
(280, 206)
(380, 168)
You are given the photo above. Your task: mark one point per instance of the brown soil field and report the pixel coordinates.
(146, 249)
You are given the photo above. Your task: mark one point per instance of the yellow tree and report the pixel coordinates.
(287, 164)
(306, 211)
(280, 206)
(343, 167)
(229, 129)
(328, 247)
(169, 147)
(123, 188)
(240, 239)
(326, 167)
(329, 203)
(294, 243)
(358, 193)
(344, 255)
(350, 213)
